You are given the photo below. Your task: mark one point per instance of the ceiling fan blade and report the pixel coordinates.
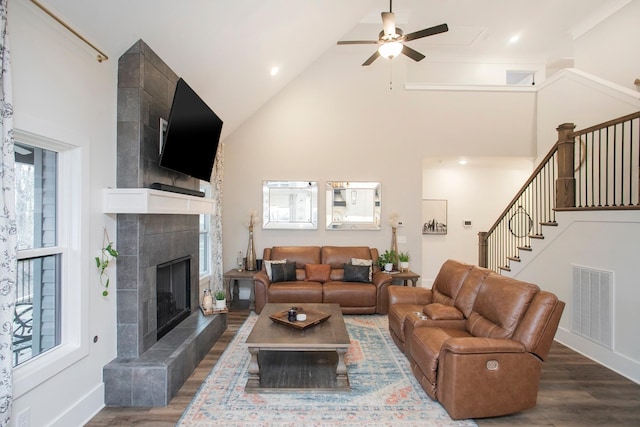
(358, 42)
(371, 59)
(411, 53)
(442, 28)
(389, 24)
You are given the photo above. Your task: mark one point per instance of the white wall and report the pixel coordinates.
(62, 92)
(478, 191)
(341, 121)
(603, 241)
(609, 50)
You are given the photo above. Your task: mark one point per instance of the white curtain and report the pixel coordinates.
(217, 273)
(8, 237)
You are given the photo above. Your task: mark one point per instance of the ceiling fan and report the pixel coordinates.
(391, 39)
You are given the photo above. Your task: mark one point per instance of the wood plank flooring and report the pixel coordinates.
(574, 391)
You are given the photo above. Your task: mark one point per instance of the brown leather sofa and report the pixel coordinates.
(476, 340)
(367, 296)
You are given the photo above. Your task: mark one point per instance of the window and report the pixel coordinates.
(37, 312)
(205, 240)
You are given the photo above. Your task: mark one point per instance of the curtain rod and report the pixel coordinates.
(101, 55)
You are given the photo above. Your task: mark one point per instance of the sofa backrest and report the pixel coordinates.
(540, 323)
(469, 289)
(500, 306)
(338, 256)
(449, 281)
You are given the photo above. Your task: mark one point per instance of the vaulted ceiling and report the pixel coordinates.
(226, 49)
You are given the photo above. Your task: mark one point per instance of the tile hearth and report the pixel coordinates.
(156, 376)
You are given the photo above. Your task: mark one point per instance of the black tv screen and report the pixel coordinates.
(192, 135)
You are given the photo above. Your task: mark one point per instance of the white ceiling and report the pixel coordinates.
(225, 49)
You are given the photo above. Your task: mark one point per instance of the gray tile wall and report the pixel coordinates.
(145, 91)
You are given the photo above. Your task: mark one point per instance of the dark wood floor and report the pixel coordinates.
(574, 391)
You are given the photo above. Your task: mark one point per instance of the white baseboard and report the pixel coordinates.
(83, 410)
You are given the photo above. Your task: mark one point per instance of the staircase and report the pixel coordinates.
(597, 168)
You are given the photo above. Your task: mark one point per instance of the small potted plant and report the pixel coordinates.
(403, 259)
(387, 259)
(221, 300)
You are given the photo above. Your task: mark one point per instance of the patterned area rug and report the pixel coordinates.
(383, 392)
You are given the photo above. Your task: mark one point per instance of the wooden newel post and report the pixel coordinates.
(483, 257)
(566, 182)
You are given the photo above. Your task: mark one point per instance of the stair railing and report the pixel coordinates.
(595, 168)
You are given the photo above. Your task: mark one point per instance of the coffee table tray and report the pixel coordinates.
(313, 318)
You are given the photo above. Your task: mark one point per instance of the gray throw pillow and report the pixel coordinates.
(285, 272)
(356, 273)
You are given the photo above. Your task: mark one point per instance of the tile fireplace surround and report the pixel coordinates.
(147, 371)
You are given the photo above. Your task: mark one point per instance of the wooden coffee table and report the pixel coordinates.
(285, 358)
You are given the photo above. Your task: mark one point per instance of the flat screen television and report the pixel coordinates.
(192, 135)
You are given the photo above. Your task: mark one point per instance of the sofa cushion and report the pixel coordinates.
(357, 273)
(269, 263)
(499, 306)
(300, 254)
(337, 256)
(449, 280)
(368, 262)
(283, 272)
(470, 288)
(437, 311)
(317, 272)
(350, 294)
(295, 292)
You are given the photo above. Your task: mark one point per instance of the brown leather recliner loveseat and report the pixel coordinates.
(319, 276)
(476, 340)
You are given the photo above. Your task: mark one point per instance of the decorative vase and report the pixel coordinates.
(394, 244)
(251, 251)
(388, 267)
(207, 300)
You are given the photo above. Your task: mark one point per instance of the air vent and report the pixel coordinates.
(592, 304)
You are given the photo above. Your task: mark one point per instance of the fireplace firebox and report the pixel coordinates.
(173, 291)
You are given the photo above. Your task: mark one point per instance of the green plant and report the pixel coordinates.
(221, 295)
(388, 257)
(107, 254)
(404, 257)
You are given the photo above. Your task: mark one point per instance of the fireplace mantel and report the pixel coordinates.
(148, 201)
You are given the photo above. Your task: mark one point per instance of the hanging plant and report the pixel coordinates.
(107, 254)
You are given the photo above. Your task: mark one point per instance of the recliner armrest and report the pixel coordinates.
(480, 345)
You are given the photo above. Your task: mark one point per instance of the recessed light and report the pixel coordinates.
(275, 70)
(514, 39)
(462, 162)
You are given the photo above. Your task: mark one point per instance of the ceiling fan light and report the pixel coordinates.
(390, 49)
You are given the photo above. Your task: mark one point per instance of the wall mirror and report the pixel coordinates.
(353, 205)
(290, 205)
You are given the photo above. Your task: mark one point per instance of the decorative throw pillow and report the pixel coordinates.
(360, 261)
(283, 272)
(356, 273)
(269, 263)
(317, 272)
(437, 311)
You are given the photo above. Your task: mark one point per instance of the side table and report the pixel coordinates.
(234, 275)
(406, 276)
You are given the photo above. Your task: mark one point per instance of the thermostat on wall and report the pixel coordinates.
(467, 223)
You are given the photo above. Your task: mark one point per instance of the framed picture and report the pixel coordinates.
(434, 216)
